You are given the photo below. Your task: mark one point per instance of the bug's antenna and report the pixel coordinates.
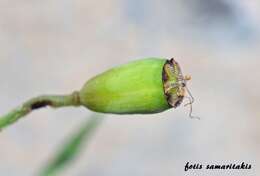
(191, 101)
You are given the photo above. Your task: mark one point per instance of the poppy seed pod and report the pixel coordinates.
(141, 87)
(144, 86)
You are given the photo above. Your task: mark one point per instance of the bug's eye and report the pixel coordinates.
(183, 84)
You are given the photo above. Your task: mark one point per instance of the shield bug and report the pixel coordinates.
(175, 85)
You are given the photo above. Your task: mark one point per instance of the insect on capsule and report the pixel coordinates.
(144, 86)
(175, 85)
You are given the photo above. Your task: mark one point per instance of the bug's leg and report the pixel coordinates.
(190, 103)
(190, 98)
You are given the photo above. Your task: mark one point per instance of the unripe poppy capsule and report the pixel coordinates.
(144, 86)
(141, 87)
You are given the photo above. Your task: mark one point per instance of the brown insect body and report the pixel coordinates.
(174, 83)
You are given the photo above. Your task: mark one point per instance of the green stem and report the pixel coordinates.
(54, 101)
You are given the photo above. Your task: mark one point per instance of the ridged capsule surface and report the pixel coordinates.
(133, 88)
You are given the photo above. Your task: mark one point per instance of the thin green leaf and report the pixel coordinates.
(71, 148)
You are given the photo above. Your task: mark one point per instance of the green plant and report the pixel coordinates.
(145, 86)
(72, 147)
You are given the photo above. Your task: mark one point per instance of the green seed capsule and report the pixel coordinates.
(145, 86)
(140, 87)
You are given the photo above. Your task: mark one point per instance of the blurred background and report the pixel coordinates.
(49, 47)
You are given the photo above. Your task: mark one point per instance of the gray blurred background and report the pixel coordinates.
(55, 46)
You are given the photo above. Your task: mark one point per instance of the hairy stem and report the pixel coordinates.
(54, 101)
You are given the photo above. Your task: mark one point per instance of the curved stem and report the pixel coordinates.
(54, 101)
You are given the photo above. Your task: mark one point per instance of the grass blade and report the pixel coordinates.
(72, 147)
